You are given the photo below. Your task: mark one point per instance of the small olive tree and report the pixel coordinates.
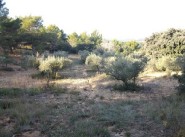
(94, 61)
(51, 65)
(125, 69)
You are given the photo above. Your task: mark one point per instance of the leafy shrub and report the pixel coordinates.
(5, 60)
(84, 46)
(170, 42)
(83, 55)
(108, 60)
(126, 70)
(166, 63)
(99, 51)
(94, 61)
(28, 61)
(51, 65)
(126, 48)
(181, 78)
(108, 54)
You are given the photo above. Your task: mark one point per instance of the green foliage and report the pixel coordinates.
(51, 65)
(181, 78)
(28, 61)
(3, 15)
(89, 47)
(109, 60)
(94, 62)
(127, 47)
(108, 54)
(40, 37)
(83, 55)
(3, 10)
(125, 69)
(167, 43)
(5, 60)
(163, 48)
(85, 41)
(96, 38)
(9, 34)
(31, 23)
(166, 63)
(73, 39)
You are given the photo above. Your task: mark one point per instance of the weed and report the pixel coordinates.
(6, 104)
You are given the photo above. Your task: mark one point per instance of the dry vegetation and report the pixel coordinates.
(85, 104)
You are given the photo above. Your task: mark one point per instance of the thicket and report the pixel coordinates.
(167, 43)
(164, 48)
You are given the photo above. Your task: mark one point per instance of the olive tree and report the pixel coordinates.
(51, 65)
(94, 61)
(125, 69)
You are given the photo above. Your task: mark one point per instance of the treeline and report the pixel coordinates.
(29, 30)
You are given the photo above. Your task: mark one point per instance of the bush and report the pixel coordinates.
(94, 61)
(99, 51)
(51, 65)
(108, 60)
(126, 70)
(83, 55)
(28, 61)
(108, 54)
(170, 42)
(88, 47)
(5, 60)
(181, 62)
(166, 63)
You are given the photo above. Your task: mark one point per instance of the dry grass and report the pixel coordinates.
(90, 106)
(19, 79)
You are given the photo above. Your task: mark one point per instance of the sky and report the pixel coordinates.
(114, 19)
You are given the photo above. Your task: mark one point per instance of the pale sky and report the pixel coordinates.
(114, 19)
